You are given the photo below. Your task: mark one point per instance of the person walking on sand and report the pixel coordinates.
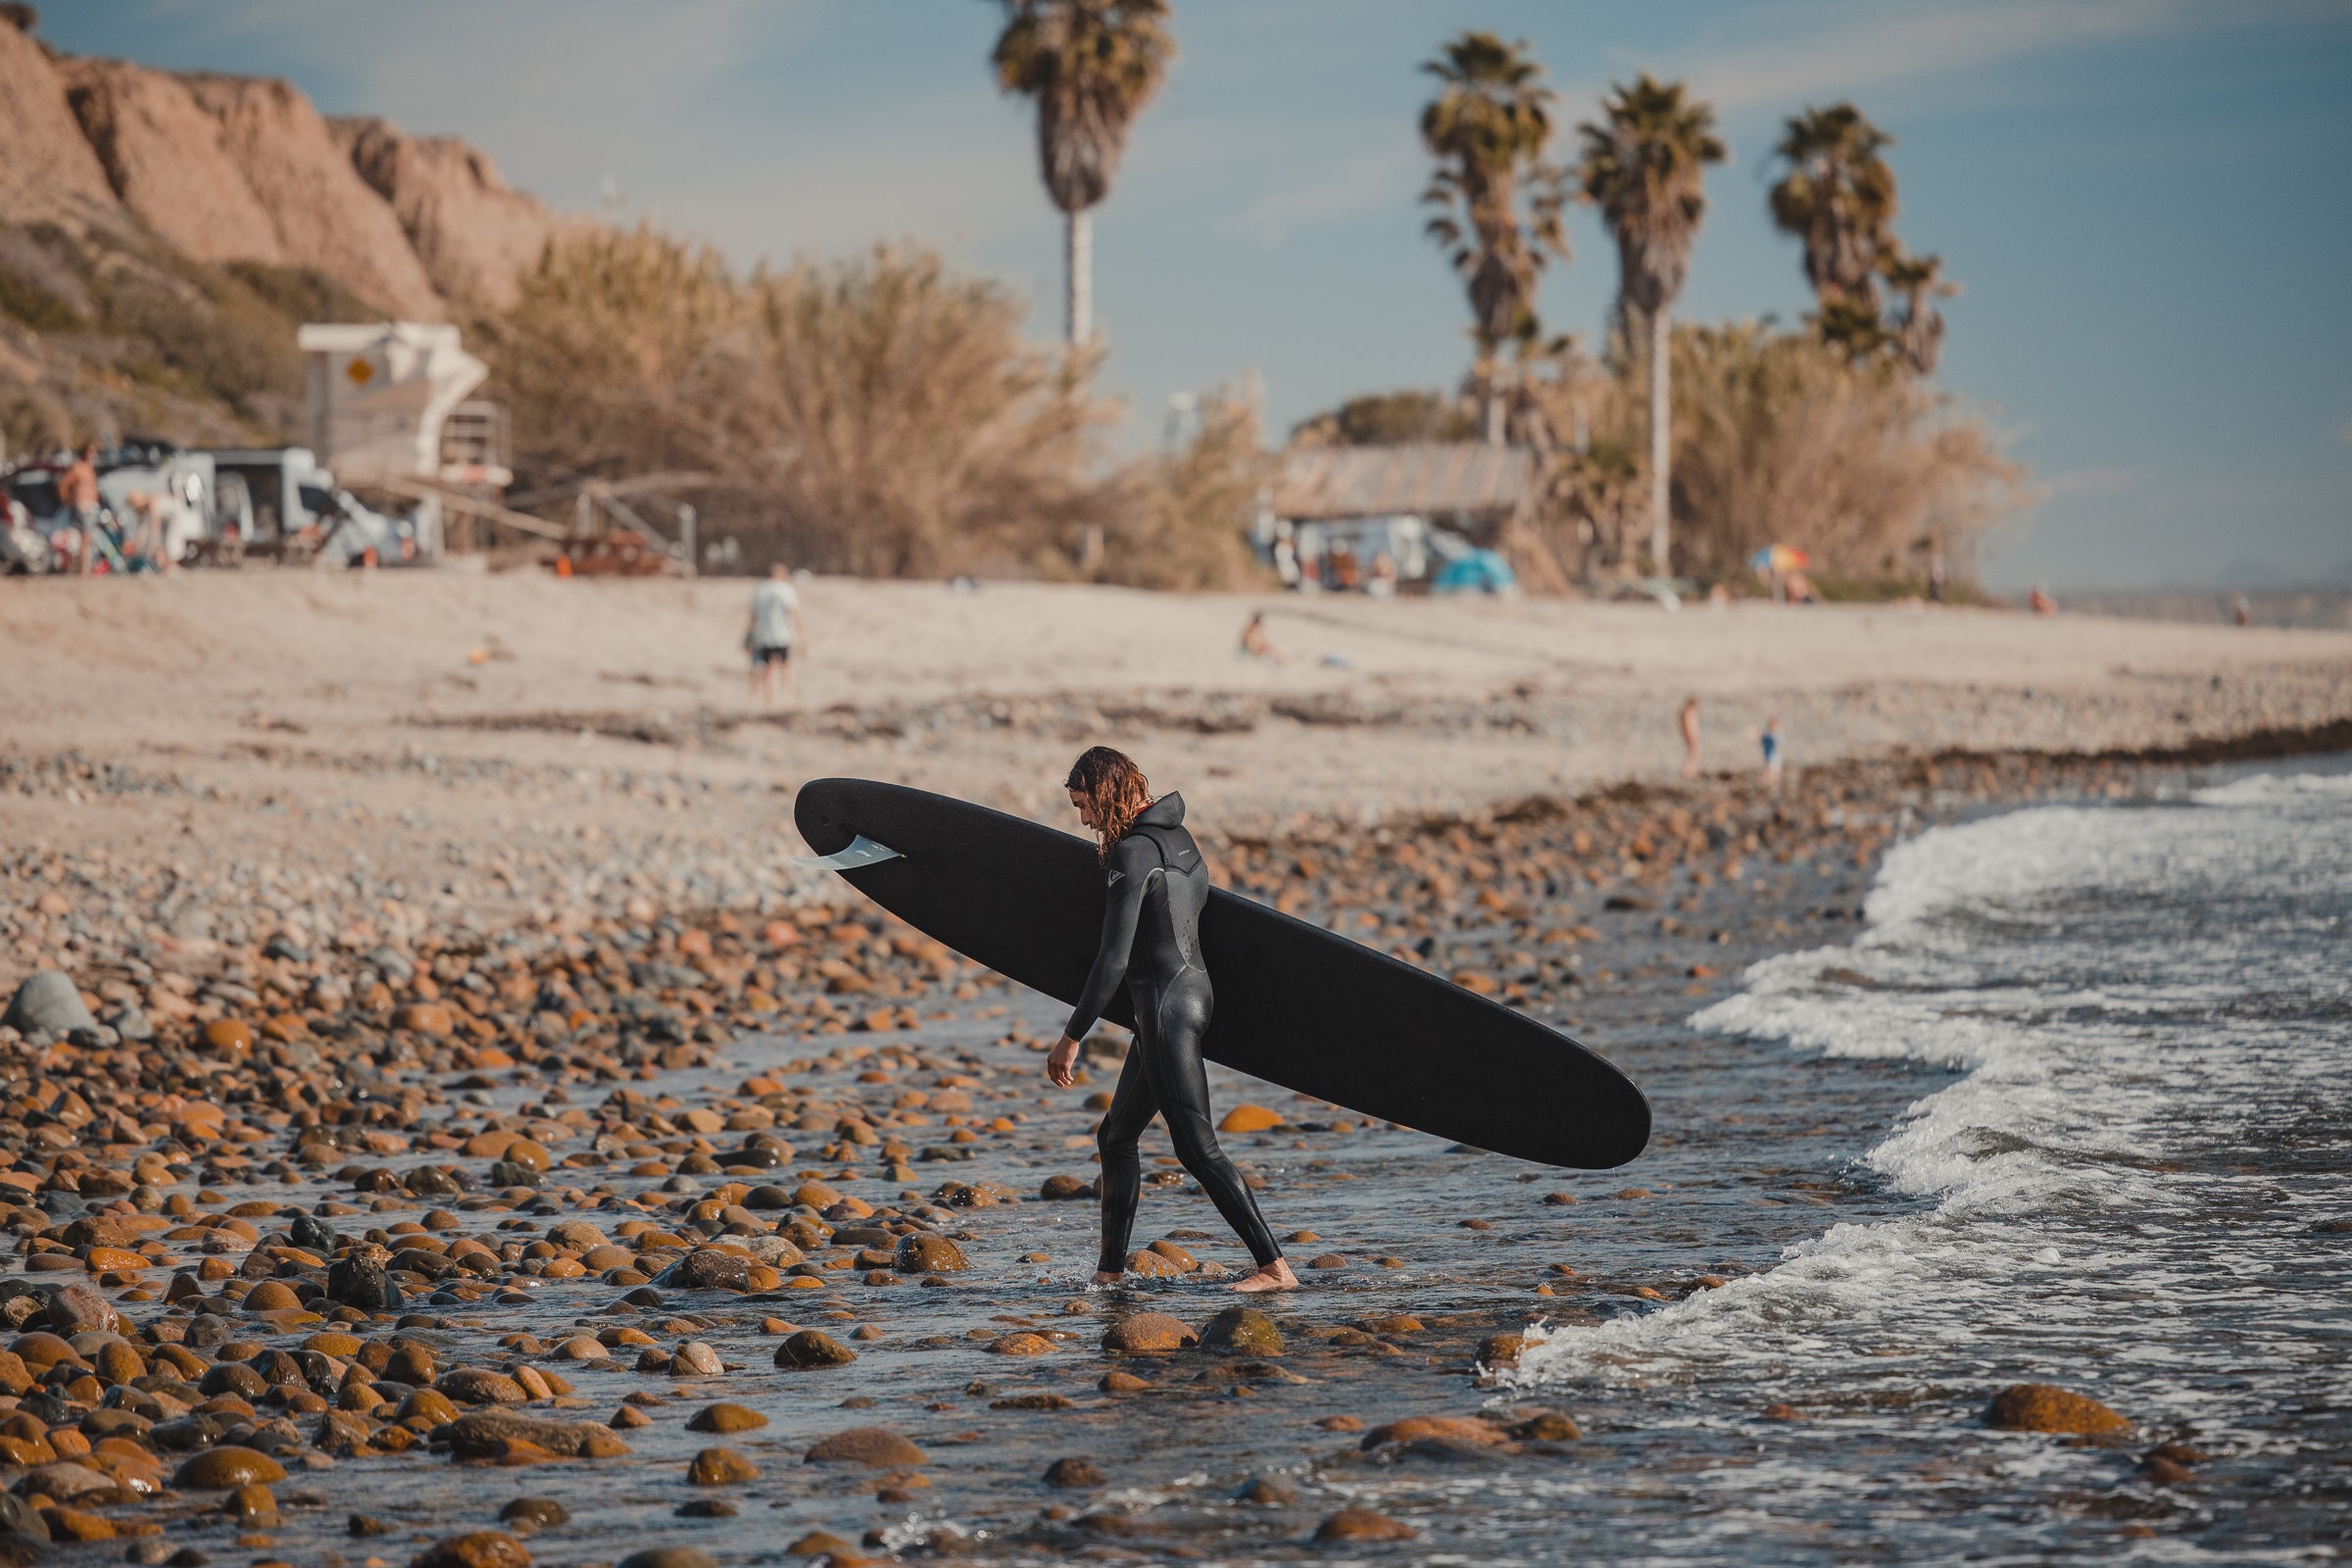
(1772, 751)
(1157, 886)
(1690, 737)
(773, 634)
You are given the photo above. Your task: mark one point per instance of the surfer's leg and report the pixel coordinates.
(1182, 1088)
(1121, 1183)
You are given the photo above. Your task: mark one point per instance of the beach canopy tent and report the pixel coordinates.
(1392, 499)
(1475, 571)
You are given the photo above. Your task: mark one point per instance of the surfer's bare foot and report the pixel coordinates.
(1101, 1278)
(1275, 1276)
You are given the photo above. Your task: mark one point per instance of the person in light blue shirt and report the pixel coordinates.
(773, 634)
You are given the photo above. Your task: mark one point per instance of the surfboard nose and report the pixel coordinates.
(820, 811)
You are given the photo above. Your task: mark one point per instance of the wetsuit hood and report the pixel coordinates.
(1167, 811)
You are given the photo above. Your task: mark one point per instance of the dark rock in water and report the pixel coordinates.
(226, 1468)
(313, 1233)
(1074, 1472)
(47, 1003)
(474, 1385)
(507, 1173)
(1548, 1426)
(480, 1549)
(810, 1349)
(534, 1513)
(761, 1197)
(668, 1557)
(486, 1434)
(1144, 1333)
(724, 1418)
(1267, 1490)
(431, 1181)
(876, 1448)
(19, 1518)
(361, 1282)
(925, 1254)
(708, 1269)
(1244, 1329)
(1066, 1189)
(1363, 1523)
(706, 1508)
(2045, 1407)
(366, 1524)
(75, 1307)
(20, 1552)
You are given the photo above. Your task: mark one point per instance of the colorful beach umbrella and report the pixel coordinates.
(1779, 557)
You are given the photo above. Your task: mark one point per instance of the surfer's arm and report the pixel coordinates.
(1122, 910)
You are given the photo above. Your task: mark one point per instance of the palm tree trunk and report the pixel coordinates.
(1080, 255)
(1660, 442)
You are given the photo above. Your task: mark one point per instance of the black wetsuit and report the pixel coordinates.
(1159, 886)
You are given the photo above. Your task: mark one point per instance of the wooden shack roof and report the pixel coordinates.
(1426, 478)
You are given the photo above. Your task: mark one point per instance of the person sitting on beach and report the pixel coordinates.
(2039, 600)
(1158, 887)
(1257, 644)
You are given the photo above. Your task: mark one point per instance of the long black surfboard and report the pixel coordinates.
(1295, 1005)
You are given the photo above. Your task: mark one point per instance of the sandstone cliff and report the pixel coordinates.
(48, 172)
(162, 235)
(474, 233)
(328, 218)
(165, 161)
(246, 169)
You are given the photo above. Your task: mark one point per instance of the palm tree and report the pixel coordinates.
(1091, 64)
(1645, 166)
(1919, 281)
(1838, 197)
(1487, 129)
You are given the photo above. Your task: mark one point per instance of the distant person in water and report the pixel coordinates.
(1157, 886)
(1689, 737)
(773, 635)
(1771, 739)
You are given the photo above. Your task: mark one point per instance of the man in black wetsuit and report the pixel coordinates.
(1158, 887)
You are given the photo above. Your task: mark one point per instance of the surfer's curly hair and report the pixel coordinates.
(1115, 789)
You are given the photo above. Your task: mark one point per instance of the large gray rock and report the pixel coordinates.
(48, 1003)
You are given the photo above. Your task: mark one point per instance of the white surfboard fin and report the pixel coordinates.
(863, 851)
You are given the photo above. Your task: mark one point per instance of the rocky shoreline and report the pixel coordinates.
(341, 1187)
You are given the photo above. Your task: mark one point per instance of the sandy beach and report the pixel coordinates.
(511, 745)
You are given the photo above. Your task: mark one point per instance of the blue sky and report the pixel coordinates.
(2149, 201)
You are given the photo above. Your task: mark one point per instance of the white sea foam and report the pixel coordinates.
(2131, 993)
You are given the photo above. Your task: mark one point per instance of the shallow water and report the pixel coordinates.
(2136, 1190)
(2069, 1110)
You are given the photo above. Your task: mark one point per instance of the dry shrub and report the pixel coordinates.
(900, 424)
(879, 415)
(1183, 515)
(1782, 439)
(610, 357)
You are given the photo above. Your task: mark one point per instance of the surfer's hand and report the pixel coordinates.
(1060, 1061)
